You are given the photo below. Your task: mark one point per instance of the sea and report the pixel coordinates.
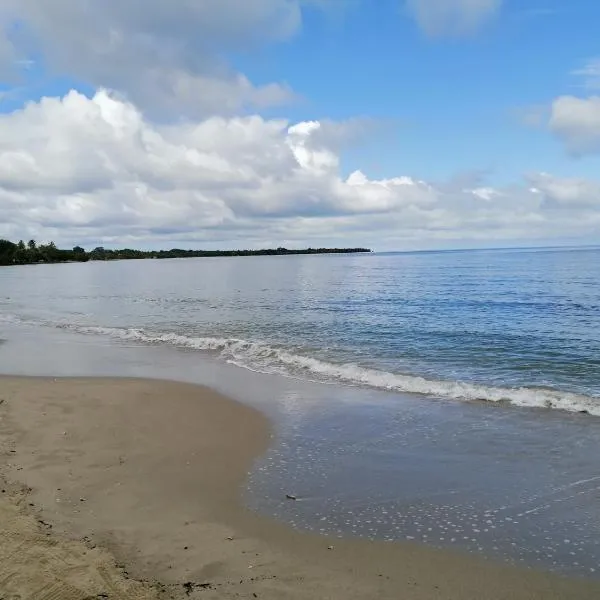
(446, 398)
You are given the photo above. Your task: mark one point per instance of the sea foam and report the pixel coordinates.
(263, 357)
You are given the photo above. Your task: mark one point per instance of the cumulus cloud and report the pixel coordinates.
(576, 122)
(165, 56)
(452, 17)
(97, 171)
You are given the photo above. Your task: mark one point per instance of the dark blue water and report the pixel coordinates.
(515, 326)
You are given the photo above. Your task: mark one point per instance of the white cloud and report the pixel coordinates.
(567, 193)
(590, 73)
(96, 171)
(486, 193)
(165, 56)
(576, 122)
(452, 17)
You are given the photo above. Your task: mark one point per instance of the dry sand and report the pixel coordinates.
(129, 489)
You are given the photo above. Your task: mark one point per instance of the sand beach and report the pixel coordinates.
(125, 488)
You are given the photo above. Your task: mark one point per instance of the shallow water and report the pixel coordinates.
(515, 483)
(523, 487)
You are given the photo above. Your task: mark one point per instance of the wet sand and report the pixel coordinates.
(119, 488)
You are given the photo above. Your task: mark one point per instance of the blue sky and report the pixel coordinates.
(432, 101)
(453, 103)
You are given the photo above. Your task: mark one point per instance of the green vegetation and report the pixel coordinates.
(31, 253)
(21, 254)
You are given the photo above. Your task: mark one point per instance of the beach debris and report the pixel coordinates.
(230, 538)
(291, 497)
(329, 547)
(82, 499)
(190, 586)
(185, 547)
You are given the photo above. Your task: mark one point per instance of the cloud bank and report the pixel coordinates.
(96, 170)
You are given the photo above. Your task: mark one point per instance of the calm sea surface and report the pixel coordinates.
(410, 384)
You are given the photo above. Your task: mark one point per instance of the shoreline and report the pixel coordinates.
(149, 472)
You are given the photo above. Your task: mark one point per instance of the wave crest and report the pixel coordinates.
(262, 357)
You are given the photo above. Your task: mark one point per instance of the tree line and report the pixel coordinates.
(32, 253)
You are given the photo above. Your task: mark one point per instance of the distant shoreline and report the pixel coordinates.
(21, 254)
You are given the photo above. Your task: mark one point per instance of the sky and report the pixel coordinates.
(390, 124)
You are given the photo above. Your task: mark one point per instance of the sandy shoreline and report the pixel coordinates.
(118, 488)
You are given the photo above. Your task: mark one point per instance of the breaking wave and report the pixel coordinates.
(258, 356)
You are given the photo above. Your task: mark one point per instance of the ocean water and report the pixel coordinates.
(449, 398)
(513, 326)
